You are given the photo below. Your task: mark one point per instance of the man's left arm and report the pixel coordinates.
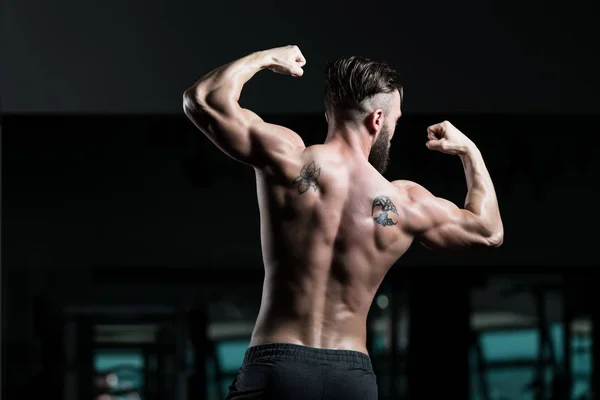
(212, 105)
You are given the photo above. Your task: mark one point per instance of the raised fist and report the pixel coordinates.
(445, 138)
(287, 60)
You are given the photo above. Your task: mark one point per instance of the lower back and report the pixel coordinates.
(311, 317)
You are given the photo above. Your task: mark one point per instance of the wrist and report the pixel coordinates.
(469, 150)
(263, 59)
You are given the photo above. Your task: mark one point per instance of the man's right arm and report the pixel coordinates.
(441, 225)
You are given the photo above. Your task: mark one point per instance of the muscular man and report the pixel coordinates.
(331, 224)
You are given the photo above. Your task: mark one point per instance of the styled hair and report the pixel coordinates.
(350, 81)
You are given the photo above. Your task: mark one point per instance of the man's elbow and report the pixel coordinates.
(201, 100)
(193, 101)
(496, 239)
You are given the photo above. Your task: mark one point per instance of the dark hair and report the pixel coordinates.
(349, 81)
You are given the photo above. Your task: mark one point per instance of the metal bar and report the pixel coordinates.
(539, 299)
(134, 345)
(529, 363)
(85, 359)
(394, 370)
(567, 337)
(594, 295)
(146, 373)
(180, 366)
(481, 368)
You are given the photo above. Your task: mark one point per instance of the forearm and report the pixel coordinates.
(222, 87)
(481, 198)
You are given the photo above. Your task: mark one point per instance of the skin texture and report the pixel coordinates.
(331, 224)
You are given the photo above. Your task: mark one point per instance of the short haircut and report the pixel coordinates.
(350, 81)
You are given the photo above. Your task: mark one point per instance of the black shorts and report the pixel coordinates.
(281, 371)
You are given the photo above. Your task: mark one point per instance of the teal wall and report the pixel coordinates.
(504, 383)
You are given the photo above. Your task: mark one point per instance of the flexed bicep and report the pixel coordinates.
(212, 105)
(244, 136)
(440, 225)
(228, 130)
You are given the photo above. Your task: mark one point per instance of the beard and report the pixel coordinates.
(379, 157)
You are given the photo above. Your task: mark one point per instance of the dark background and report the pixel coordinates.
(138, 56)
(117, 212)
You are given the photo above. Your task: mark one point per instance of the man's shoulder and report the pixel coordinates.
(411, 189)
(404, 184)
(414, 192)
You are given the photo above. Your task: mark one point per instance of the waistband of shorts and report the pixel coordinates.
(288, 351)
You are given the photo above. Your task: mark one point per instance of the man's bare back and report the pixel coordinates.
(329, 236)
(331, 224)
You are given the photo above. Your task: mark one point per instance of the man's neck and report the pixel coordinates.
(351, 139)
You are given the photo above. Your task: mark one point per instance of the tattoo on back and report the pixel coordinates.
(308, 178)
(382, 206)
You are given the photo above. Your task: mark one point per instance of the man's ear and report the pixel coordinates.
(375, 122)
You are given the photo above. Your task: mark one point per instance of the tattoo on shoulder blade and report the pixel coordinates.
(382, 206)
(308, 178)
